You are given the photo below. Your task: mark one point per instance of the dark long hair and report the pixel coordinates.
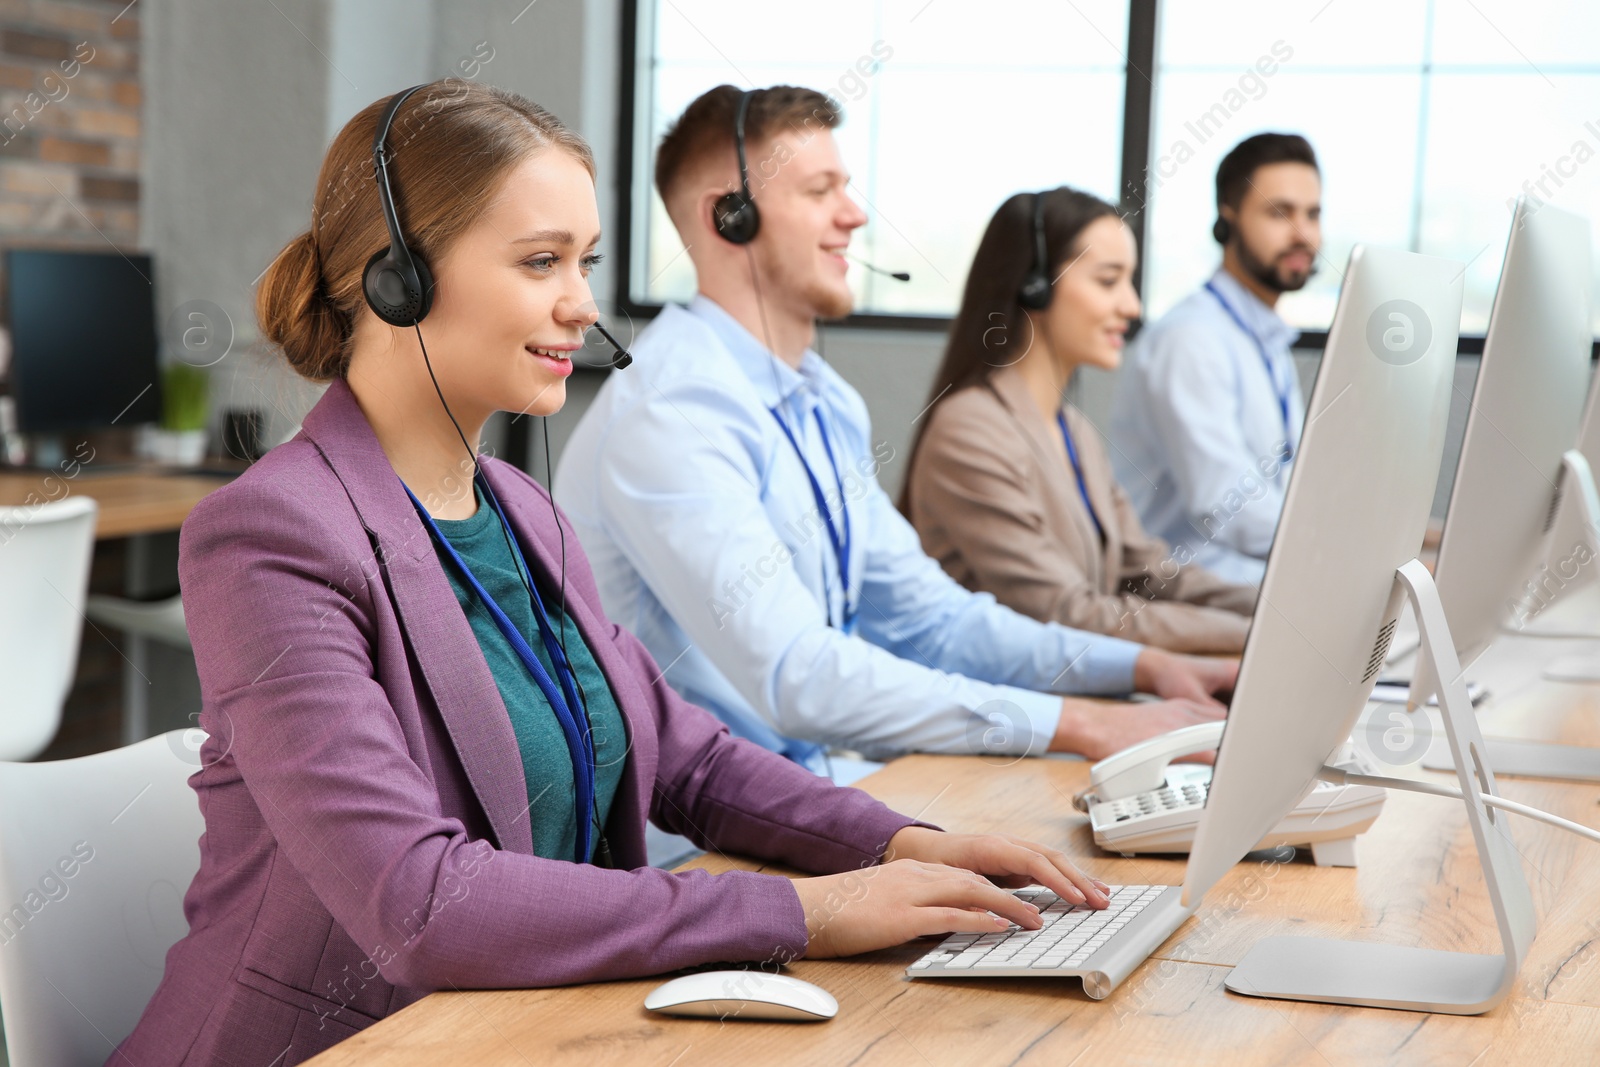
(992, 330)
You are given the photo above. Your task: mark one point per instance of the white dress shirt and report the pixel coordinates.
(1207, 410)
(706, 541)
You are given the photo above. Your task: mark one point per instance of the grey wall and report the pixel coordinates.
(234, 133)
(242, 105)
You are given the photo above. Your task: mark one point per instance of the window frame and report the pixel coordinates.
(1138, 119)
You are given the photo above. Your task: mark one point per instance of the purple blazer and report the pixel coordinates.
(367, 837)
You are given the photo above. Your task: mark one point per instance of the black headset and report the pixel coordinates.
(735, 214)
(1220, 229)
(1036, 289)
(398, 285)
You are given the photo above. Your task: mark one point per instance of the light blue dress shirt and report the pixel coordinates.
(706, 541)
(1197, 428)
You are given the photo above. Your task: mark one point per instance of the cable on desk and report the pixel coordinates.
(1339, 776)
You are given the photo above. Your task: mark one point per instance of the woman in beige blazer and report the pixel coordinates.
(1010, 488)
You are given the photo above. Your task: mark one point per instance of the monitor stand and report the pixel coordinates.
(1373, 975)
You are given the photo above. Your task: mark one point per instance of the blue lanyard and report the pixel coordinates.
(1083, 490)
(1266, 362)
(580, 745)
(841, 543)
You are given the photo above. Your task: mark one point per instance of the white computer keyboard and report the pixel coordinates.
(1102, 946)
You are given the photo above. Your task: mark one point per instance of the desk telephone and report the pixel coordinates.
(1138, 802)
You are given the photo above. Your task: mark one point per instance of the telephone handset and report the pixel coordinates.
(1137, 801)
(1142, 767)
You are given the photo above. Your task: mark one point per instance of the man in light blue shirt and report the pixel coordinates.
(727, 499)
(1208, 406)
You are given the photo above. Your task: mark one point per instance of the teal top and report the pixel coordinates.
(546, 764)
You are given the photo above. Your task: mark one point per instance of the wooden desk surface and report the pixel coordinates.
(131, 502)
(1418, 883)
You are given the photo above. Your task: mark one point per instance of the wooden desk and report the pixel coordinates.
(132, 502)
(1418, 884)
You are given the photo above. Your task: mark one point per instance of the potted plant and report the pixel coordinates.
(181, 438)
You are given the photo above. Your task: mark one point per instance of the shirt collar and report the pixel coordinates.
(774, 380)
(474, 524)
(1262, 320)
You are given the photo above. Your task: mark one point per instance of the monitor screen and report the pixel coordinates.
(1526, 411)
(83, 340)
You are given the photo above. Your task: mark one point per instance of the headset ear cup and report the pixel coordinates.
(392, 297)
(1220, 230)
(1035, 292)
(1036, 289)
(736, 218)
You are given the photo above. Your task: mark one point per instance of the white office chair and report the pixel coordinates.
(45, 552)
(142, 622)
(96, 854)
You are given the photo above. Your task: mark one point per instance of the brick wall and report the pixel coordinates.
(69, 124)
(69, 178)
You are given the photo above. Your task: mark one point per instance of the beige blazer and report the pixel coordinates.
(995, 501)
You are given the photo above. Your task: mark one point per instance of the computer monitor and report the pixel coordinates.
(83, 340)
(1355, 510)
(1526, 409)
(1589, 428)
(1341, 564)
(1570, 559)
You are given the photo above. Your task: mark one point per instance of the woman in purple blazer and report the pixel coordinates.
(375, 795)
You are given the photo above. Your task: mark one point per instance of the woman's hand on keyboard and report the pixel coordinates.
(1004, 859)
(877, 907)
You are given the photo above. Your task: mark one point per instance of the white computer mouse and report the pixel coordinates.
(742, 995)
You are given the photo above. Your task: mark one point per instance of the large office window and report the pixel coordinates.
(947, 112)
(1429, 118)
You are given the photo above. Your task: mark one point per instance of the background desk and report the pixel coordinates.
(1418, 884)
(132, 502)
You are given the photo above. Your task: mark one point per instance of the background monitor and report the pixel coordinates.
(1526, 408)
(1564, 569)
(1589, 429)
(83, 340)
(1355, 510)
